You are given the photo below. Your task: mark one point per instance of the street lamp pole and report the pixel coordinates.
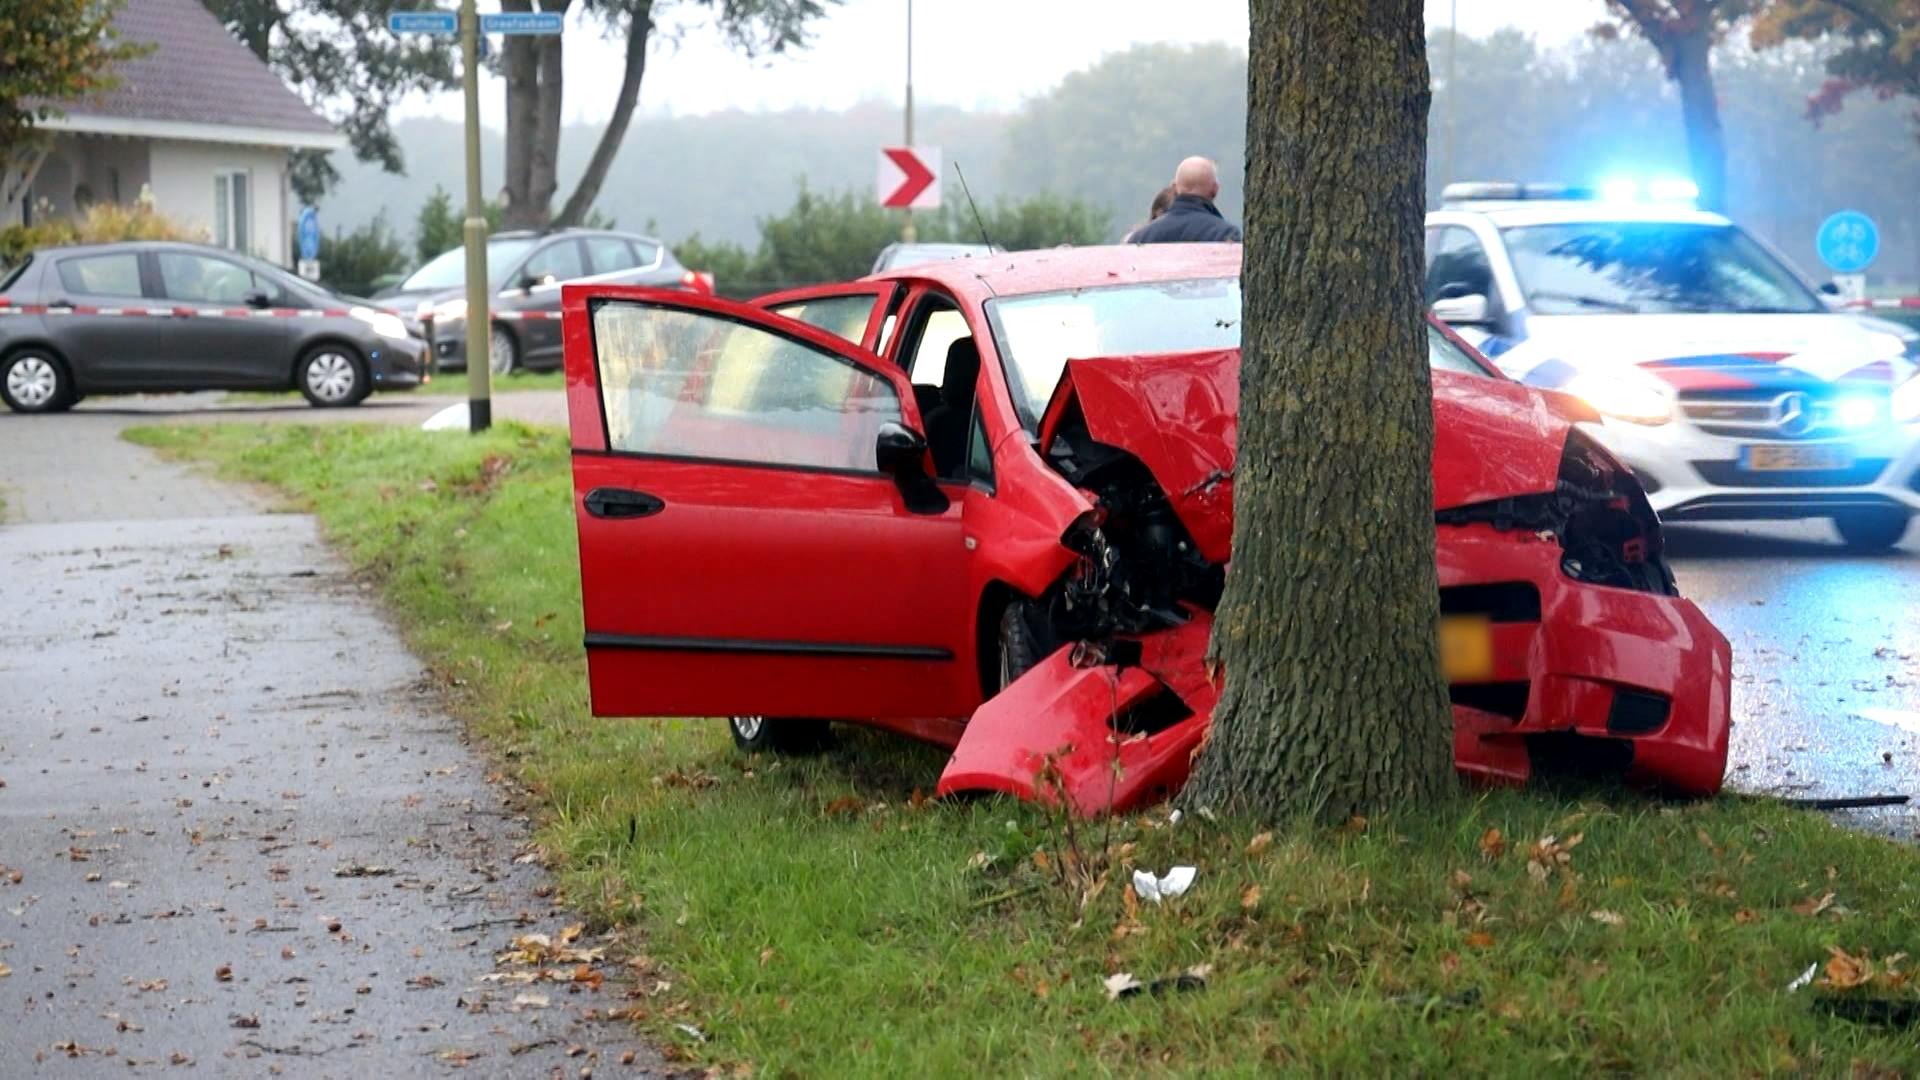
(1453, 89)
(479, 370)
(906, 231)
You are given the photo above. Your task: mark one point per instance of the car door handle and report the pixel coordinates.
(620, 503)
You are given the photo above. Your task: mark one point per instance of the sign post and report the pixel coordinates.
(309, 237)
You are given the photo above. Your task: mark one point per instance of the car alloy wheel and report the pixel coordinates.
(748, 728)
(786, 735)
(1871, 530)
(501, 350)
(33, 384)
(331, 377)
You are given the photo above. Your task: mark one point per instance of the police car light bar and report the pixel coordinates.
(1661, 190)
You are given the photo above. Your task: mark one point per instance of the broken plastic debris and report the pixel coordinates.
(1121, 985)
(1172, 884)
(1805, 979)
(691, 1032)
(1174, 818)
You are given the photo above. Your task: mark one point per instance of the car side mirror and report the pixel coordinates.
(901, 453)
(1469, 310)
(256, 298)
(1830, 288)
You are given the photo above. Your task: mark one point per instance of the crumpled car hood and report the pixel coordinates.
(1179, 414)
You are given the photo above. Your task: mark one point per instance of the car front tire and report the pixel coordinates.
(35, 381)
(778, 735)
(1871, 530)
(332, 376)
(1019, 651)
(503, 352)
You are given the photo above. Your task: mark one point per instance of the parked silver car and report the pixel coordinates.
(141, 316)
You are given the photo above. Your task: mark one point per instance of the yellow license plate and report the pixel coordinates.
(1466, 647)
(1795, 458)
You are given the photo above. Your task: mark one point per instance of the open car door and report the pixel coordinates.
(860, 311)
(759, 531)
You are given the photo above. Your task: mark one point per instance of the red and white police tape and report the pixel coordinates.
(1900, 302)
(8, 307)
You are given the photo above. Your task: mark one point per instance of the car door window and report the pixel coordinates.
(845, 315)
(610, 254)
(942, 327)
(645, 253)
(690, 385)
(102, 275)
(555, 263)
(979, 450)
(196, 277)
(1457, 264)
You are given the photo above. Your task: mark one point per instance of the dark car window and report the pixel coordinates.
(555, 263)
(1456, 258)
(843, 315)
(610, 253)
(102, 275)
(979, 453)
(1651, 267)
(12, 274)
(186, 276)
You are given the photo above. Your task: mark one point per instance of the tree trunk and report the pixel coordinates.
(535, 84)
(1691, 68)
(1333, 703)
(588, 189)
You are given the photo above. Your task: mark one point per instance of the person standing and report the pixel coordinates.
(1192, 218)
(1158, 209)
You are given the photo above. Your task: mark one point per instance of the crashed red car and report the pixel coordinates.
(989, 504)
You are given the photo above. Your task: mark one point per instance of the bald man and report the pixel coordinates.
(1192, 219)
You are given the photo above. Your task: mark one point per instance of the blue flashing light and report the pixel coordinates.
(1620, 190)
(1673, 189)
(1855, 413)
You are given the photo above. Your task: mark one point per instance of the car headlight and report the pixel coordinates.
(384, 323)
(451, 311)
(1623, 398)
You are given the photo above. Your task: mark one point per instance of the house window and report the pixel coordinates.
(232, 210)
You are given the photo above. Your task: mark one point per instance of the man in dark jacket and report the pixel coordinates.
(1192, 218)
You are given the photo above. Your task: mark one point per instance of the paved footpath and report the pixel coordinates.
(238, 837)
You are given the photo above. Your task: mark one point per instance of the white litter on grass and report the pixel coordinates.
(451, 418)
(691, 1032)
(1172, 884)
(1174, 818)
(1122, 984)
(1805, 979)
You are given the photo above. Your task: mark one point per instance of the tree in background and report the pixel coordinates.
(339, 57)
(359, 262)
(1334, 702)
(440, 228)
(1112, 134)
(1880, 54)
(1684, 33)
(535, 84)
(51, 52)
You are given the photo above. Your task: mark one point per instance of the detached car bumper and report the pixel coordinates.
(1691, 475)
(1584, 674)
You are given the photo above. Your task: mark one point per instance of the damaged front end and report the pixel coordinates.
(1578, 652)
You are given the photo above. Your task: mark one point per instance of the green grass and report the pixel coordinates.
(814, 918)
(444, 382)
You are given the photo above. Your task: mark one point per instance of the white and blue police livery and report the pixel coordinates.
(1724, 379)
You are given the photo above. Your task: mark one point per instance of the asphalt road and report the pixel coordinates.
(238, 836)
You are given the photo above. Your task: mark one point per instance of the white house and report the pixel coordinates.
(199, 120)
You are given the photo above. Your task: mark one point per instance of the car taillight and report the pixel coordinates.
(699, 281)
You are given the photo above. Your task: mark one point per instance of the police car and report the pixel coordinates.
(1724, 379)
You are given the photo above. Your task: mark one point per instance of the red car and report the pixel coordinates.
(989, 504)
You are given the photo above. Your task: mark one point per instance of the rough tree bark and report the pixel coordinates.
(1684, 33)
(1333, 702)
(535, 83)
(588, 188)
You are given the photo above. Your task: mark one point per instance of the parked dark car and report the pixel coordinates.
(149, 316)
(525, 271)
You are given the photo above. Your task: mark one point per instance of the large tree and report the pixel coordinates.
(1684, 33)
(339, 56)
(1879, 51)
(51, 52)
(1334, 702)
(536, 82)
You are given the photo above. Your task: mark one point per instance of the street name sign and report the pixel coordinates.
(424, 22)
(522, 22)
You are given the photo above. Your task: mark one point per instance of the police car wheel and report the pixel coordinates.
(1871, 530)
(778, 735)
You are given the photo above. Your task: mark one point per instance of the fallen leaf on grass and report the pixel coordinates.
(1744, 916)
(224, 973)
(1260, 843)
(1811, 907)
(1250, 897)
(1492, 844)
(1480, 939)
(251, 1020)
(5, 971)
(1845, 971)
(1549, 854)
(1610, 918)
(850, 805)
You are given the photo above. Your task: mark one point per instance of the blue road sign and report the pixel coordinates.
(521, 22)
(309, 233)
(1848, 242)
(424, 22)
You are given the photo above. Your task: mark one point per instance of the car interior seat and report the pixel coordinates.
(947, 422)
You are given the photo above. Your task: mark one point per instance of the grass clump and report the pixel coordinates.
(819, 916)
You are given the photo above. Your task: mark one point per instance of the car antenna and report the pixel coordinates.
(968, 192)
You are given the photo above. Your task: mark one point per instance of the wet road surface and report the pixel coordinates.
(237, 836)
(1826, 657)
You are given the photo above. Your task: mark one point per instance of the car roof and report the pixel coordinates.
(1516, 213)
(1020, 273)
(541, 234)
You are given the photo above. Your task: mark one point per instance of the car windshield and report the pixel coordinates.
(1648, 267)
(1039, 334)
(449, 268)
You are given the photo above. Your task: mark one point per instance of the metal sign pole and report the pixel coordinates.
(479, 368)
(907, 233)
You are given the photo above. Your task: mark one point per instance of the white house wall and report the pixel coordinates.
(183, 189)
